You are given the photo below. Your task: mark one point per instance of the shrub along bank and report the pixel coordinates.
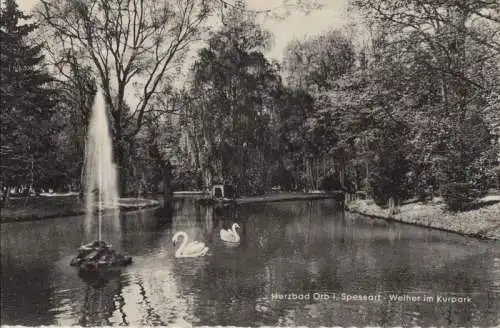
(482, 222)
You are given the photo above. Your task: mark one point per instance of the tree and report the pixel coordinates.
(436, 61)
(232, 92)
(78, 90)
(227, 8)
(130, 44)
(317, 65)
(133, 47)
(27, 102)
(295, 107)
(388, 174)
(314, 64)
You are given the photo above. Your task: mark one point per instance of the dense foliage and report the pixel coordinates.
(27, 124)
(231, 118)
(460, 196)
(438, 67)
(410, 111)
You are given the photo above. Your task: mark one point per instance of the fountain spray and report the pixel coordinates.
(101, 190)
(101, 194)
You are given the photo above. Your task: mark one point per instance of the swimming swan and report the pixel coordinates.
(191, 249)
(230, 235)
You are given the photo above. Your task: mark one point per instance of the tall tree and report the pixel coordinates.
(296, 106)
(314, 63)
(27, 100)
(317, 65)
(233, 88)
(133, 46)
(437, 82)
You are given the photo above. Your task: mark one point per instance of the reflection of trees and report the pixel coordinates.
(23, 301)
(140, 229)
(105, 302)
(152, 317)
(228, 284)
(208, 215)
(272, 258)
(226, 288)
(285, 247)
(99, 300)
(151, 298)
(186, 207)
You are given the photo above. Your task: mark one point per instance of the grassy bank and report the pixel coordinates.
(483, 222)
(40, 208)
(37, 208)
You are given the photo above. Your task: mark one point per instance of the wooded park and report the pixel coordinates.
(404, 103)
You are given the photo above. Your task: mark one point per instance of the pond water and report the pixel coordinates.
(304, 248)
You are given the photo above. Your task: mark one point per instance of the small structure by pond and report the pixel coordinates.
(222, 191)
(218, 193)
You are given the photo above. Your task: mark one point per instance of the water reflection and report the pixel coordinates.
(302, 247)
(25, 297)
(99, 301)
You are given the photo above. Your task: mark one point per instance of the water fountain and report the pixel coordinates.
(101, 189)
(101, 192)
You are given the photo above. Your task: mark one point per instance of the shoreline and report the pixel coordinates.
(270, 198)
(72, 209)
(67, 214)
(482, 223)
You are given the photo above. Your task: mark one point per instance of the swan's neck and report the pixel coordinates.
(180, 250)
(235, 233)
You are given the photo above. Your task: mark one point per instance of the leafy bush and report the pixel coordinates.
(283, 178)
(460, 196)
(385, 186)
(186, 180)
(331, 183)
(388, 178)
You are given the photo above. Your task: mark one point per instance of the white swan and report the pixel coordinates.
(230, 235)
(191, 249)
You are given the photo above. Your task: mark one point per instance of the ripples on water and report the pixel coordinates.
(301, 247)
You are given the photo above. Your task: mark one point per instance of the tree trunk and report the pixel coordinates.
(121, 166)
(168, 193)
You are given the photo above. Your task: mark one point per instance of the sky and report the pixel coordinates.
(296, 26)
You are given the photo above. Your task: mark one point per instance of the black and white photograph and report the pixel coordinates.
(250, 163)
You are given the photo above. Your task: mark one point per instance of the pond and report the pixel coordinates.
(297, 263)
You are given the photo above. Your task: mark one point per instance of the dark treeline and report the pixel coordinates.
(405, 105)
